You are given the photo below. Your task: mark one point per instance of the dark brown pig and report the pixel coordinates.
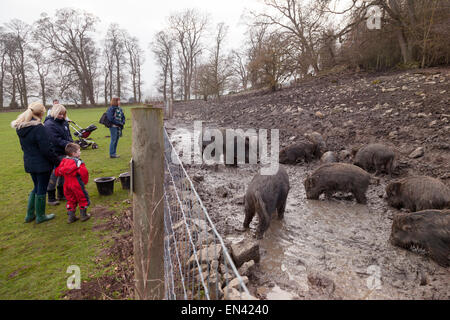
(427, 230)
(302, 151)
(317, 139)
(329, 157)
(418, 193)
(375, 156)
(334, 177)
(203, 143)
(265, 195)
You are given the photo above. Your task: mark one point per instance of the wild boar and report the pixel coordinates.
(265, 195)
(427, 230)
(329, 157)
(418, 193)
(302, 151)
(375, 157)
(334, 177)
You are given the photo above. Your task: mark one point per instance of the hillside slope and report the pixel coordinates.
(403, 109)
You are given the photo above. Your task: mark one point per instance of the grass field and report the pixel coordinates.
(34, 258)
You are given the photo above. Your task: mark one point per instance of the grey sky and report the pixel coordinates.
(139, 17)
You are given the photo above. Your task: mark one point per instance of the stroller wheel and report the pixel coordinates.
(94, 146)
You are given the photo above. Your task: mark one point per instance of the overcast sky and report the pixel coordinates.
(141, 18)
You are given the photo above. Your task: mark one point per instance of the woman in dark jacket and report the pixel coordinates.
(59, 134)
(38, 157)
(116, 116)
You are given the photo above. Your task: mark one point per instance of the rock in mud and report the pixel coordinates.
(419, 152)
(244, 251)
(207, 255)
(247, 268)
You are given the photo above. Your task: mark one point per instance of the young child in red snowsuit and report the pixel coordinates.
(76, 176)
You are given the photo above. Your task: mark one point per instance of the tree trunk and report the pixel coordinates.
(118, 77)
(405, 48)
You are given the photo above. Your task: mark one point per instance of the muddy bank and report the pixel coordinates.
(334, 248)
(116, 256)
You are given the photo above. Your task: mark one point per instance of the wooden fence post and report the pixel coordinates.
(148, 203)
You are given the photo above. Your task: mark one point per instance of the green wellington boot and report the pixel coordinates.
(30, 208)
(40, 210)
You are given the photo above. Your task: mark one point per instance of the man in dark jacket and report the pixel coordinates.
(116, 116)
(38, 157)
(59, 134)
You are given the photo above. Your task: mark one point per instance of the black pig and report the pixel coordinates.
(305, 151)
(265, 195)
(334, 177)
(375, 156)
(427, 230)
(418, 193)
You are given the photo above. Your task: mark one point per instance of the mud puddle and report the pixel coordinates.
(326, 249)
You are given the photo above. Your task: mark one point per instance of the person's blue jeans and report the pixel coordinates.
(40, 181)
(114, 140)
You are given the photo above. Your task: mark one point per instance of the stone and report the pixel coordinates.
(215, 286)
(244, 251)
(206, 255)
(320, 115)
(247, 268)
(234, 294)
(419, 152)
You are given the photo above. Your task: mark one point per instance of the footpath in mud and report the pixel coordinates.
(334, 248)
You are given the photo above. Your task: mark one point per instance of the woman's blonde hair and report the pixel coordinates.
(35, 109)
(57, 109)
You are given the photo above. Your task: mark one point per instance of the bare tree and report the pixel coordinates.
(239, 68)
(163, 48)
(115, 43)
(18, 37)
(135, 56)
(68, 36)
(43, 67)
(275, 60)
(220, 64)
(303, 20)
(3, 67)
(188, 28)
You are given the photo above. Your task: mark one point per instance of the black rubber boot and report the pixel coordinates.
(72, 217)
(52, 198)
(84, 215)
(61, 193)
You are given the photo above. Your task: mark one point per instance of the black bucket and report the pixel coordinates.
(125, 180)
(105, 186)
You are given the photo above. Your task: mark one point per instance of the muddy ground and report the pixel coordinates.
(117, 256)
(334, 248)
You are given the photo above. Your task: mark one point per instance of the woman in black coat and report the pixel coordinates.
(38, 157)
(58, 131)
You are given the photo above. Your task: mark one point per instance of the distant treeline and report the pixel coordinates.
(57, 57)
(292, 39)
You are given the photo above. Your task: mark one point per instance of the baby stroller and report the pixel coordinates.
(83, 134)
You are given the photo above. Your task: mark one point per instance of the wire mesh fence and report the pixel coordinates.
(197, 263)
